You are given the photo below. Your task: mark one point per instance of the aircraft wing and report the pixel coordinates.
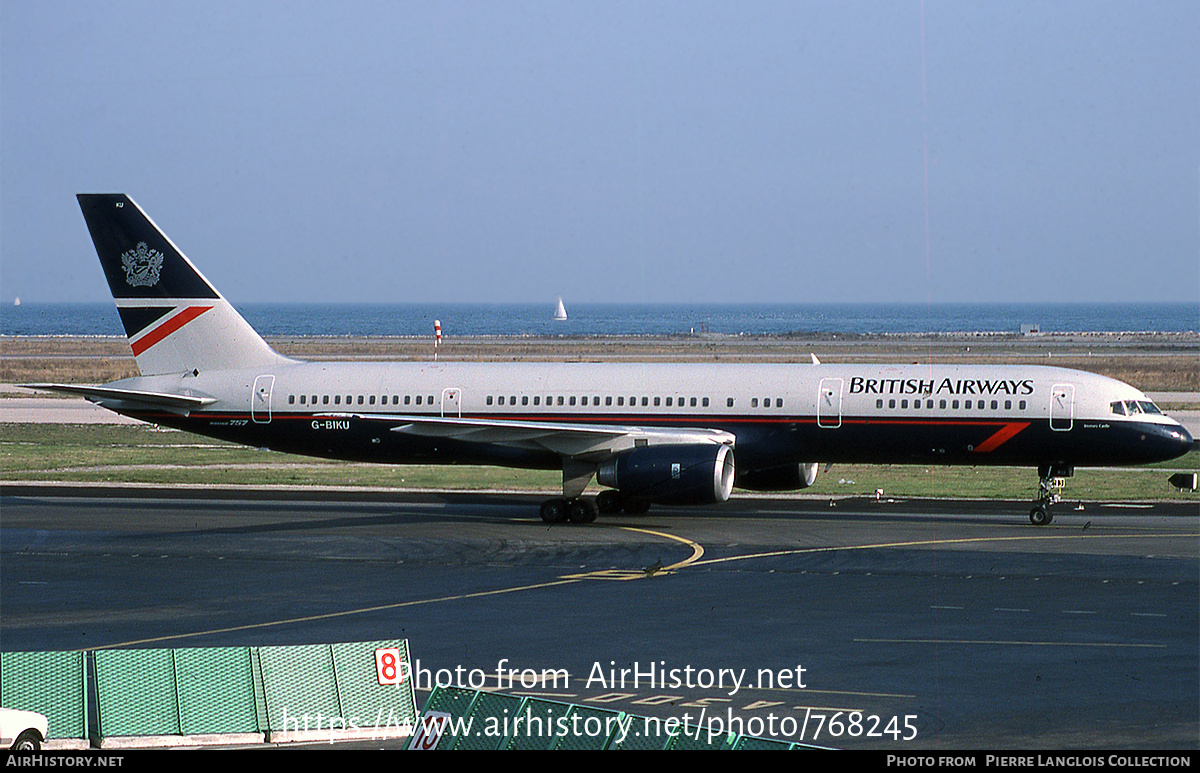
(113, 398)
(568, 439)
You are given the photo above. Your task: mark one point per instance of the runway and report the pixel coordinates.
(956, 620)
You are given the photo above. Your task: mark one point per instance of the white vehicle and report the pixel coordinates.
(22, 731)
(651, 433)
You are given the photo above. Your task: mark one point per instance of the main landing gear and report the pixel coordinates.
(583, 510)
(572, 506)
(1049, 483)
(575, 510)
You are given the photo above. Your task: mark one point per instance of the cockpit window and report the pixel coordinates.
(1134, 407)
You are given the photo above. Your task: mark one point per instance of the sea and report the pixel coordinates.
(100, 319)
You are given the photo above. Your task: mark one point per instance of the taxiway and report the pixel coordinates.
(986, 632)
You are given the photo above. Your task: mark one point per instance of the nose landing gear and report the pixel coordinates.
(1050, 483)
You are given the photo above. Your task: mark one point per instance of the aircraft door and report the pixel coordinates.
(260, 400)
(452, 402)
(829, 403)
(1062, 407)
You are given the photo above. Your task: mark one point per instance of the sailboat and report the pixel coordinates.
(560, 313)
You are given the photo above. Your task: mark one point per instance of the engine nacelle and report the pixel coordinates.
(697, 474)
(788, 478)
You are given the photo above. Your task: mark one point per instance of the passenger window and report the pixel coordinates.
(668, 402)
(753, 402)
(879, 403)
(778, 402)
(728, 402)
(645, 401)
(407, 399)
(371, 401)
(657, 401)
(524, 399)
(537, 399)
(572, 399)
(560, 400)
(941, 403)
(488, 400)
(904, 403)
(892, 403)
(1008, 405)
(704, 402)
(418, 399)
(337, 399)
(325, 400)
(1021, 405)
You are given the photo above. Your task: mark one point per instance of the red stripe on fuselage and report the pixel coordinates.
(1001, 437)
(167, 328)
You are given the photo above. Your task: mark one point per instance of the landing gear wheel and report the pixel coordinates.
(609, 501)
(554, 510)
(582, 510)
(1040, 516)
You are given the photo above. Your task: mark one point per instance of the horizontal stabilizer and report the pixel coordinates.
(103, 394)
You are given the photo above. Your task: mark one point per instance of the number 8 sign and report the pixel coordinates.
(389, 668)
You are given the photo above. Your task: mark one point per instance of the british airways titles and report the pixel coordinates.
(962, 386)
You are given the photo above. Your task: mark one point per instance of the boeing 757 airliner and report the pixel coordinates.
(648, 433)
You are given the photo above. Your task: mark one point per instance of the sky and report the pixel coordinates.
(911, 151)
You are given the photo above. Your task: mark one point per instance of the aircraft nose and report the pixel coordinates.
(1178, 440)
(1186, 441)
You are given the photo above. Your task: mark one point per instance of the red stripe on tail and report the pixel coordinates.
(167, 328)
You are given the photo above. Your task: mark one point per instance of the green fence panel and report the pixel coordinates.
(50, 683)
(537, 724)
(300, 687)
(587, 718)
(749, 743)
(488, 713)
(644, 734)
(366, 702)
(135, 693)
(216, 690)
(694, 738)
(455, 701)
(571, 726)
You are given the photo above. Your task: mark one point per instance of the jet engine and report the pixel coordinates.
(787, 478)
(671, 474)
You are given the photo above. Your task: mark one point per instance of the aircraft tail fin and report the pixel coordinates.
(175, 319)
